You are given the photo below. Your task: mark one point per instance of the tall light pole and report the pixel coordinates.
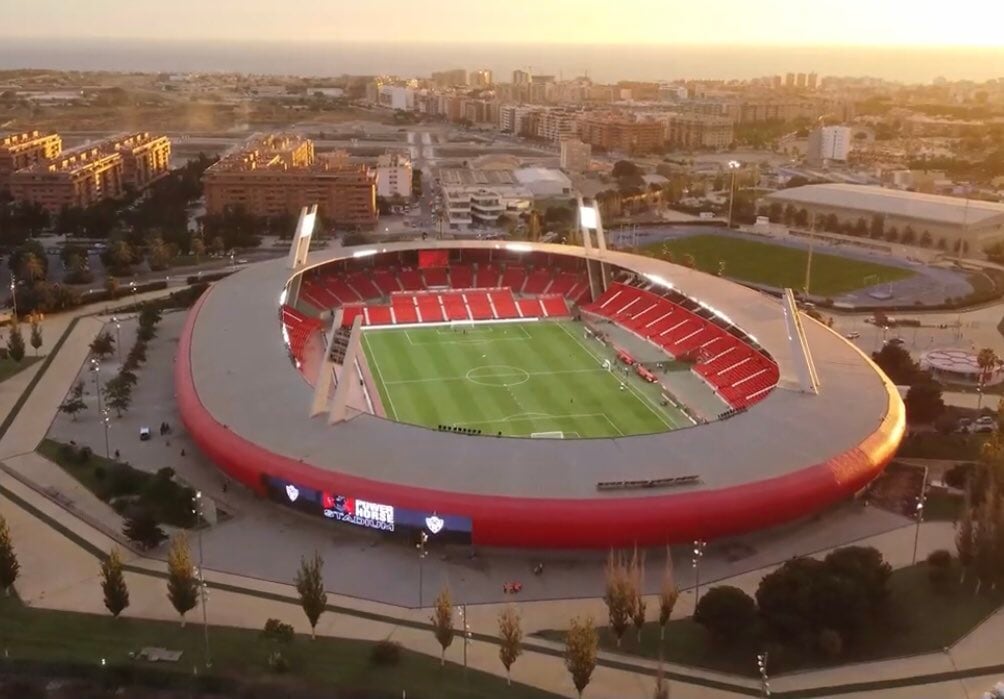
(118, 336)
(921, 500)
(761, 663)
(13, 297)
(734, 166)
(462, 609)
(199, 513)
(808, 258)
(422, 553)
(96, 368)
(695, 561)
(106, 421)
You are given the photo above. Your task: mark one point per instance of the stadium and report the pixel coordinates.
(527, 395)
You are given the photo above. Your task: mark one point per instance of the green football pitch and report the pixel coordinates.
(521, 379)
(778, 265)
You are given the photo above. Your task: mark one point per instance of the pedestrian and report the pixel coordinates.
(182, 451)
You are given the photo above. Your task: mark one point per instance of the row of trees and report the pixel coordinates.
(15, 340)
(979, 535)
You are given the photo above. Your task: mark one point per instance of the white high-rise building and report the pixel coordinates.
(393, 176)
(396, 97)
(829, 143)
(576, 156)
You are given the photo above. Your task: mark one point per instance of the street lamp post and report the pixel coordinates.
(466, 630)
(96, 368)
(921, 500)
(118, 336)
(695, 561)
(761, 663)
(199, 512)
(734, 166)
(13, 297)
(422, 553)
(106, 422)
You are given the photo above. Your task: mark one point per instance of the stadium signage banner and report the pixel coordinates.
(366, 513)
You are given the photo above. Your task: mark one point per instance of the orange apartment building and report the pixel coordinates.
(279, 174)
(615, 132)
(18, 151)
(84, 176)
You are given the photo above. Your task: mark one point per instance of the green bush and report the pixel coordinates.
(386, 653)
(830, 643)
(277, 662)
(123, 480)
(726, 612)
(84, 455)
(277, 631)
(67, 453)
(940, 568)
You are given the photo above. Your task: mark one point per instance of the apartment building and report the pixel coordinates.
(18, 151)
(481, 78)
(393, 176)
(514, 118)
(828, 143)
(450, 78)
(279, 174)
(89, 174)
(556, 124)
(699, 131)
(621, 132)
(576, 156)
(479, 197)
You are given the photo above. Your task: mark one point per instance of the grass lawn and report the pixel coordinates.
(8, 367)
(169, 501)
(83, 639)
(778, 265)
(919, 620)
(513, 378)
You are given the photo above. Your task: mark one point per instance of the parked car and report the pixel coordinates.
(852, 336)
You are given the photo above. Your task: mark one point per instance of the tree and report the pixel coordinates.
(510, 639)
(36, 336)
(619, 595)
(689, 261)
(142, 529)
(726, 612)
(987, 360)
(580, 652)
(118, 393)
(31, 269)
(157, 255)
(625, 168)
(668, 595)
(38, 269)
(9, 567)
(939, 568)
(15, 342)
(637, 575)
(442, 622)
(877, 230)
(113, 584)
(74, 402)
(310, 587)
(923, 402)
(897, 364)
(103, 345)
(965, 532)
(182, 586)
(198, 248)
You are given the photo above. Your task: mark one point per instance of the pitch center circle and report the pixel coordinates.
(498, 375)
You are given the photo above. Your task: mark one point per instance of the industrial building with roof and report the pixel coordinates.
(945, 220)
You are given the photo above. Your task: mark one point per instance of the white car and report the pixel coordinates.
(144, 434)
(852, 336)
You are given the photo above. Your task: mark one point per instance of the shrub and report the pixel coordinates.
(84, 455)
(99, 473)
(958, 475)
(67, 452)
(386, 653)
(726, 612)
(939, 568)
(124, 480)
(830, 643)
(277, 631)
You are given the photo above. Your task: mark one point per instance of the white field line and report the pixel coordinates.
(497, 376)
(668, 422)
(535, 416)
(376, 366)
(479, 338)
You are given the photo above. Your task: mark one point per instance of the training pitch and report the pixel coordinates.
(778, 265)
(542, 379)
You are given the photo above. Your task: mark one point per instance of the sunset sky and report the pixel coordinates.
(790, 22)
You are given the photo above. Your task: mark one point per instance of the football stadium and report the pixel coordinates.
(527, 395)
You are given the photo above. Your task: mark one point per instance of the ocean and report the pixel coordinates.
(602, 63)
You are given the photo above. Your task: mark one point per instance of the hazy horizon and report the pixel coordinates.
(603, 62)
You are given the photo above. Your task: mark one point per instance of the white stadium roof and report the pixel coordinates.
(894, 202)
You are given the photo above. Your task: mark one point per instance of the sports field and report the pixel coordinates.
(778, 265)
(520, 379)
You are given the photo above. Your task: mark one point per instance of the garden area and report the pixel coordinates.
(66, 644)
(848, 607)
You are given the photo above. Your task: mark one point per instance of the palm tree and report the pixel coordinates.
(987, 360)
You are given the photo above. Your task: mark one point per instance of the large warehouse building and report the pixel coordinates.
(948, 219)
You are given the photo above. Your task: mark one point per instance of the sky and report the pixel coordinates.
(658, 22)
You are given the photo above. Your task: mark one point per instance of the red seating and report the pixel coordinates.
(298, 329)
(378, 315)
(564, 282)
(342, 291)
(386, 281)
(502, 301)
(529, 308)
(404, 307)
(538, 280)
(349, 314)
(429, 308)
(363, 285)
(740, 374)
(461, 276)
(487, 277)
(435, 277)
(411, 280)
(480, 307)
(514, 277)
(554, 306)
(454, 305)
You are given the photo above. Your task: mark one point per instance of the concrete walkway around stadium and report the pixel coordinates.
(60, 571)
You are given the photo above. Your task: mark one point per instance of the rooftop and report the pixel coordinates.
(870, 199)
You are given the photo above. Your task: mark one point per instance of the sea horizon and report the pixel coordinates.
(601, 62)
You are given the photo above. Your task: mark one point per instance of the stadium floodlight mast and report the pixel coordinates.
(734, 166)
(695, 561)
(761, 663)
